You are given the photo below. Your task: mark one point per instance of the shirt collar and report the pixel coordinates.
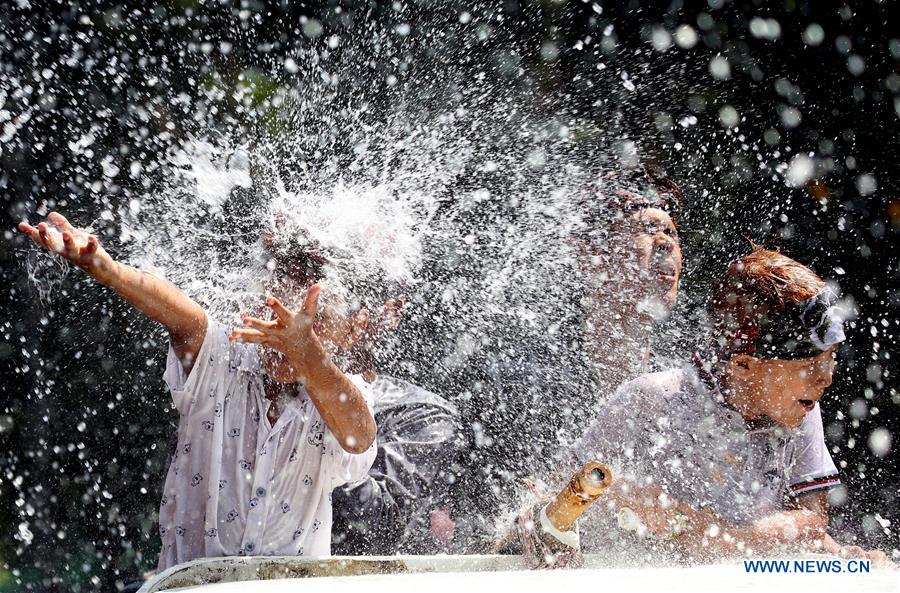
(708, 381)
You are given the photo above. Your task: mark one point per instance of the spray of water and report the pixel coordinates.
(46, 274)
(466, 201)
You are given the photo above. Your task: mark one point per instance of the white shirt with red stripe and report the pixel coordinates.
(238, 485)
(813, 469)
(674, 427)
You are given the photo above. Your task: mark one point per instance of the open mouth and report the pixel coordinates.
(807, 404)
(663, 270)
(667, 278)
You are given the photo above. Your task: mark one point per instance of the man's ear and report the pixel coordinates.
(358, 323)
(741, 364)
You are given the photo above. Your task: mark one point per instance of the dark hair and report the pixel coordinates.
(622, 191)
(302, 260)
(647, 187)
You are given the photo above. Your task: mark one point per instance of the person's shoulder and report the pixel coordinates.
(392, 392)
(665, 382)
(648, 395)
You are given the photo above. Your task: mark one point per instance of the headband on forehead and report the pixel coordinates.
(624, 199)
(637, 188)
(803, 331)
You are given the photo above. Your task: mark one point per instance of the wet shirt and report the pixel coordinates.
(672, 426)
(237, 485)
(390, 510)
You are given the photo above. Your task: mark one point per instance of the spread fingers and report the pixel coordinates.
(248, 336)
(60, 221)
(259, 324)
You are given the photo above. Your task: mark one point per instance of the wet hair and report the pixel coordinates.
(623, 191)
(757, 290)
(302, 260)
(645, 187)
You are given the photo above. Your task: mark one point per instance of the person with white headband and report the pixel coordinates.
(727, 455)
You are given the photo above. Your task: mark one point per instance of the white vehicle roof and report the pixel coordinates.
(497, 574)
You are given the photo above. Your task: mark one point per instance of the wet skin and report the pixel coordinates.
(334, 329)
(783, 390)
(643, 255)
(656, 251)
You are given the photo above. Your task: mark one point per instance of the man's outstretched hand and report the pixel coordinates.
(155, 297)
(77, 246)
(877, 557)
(291, 332)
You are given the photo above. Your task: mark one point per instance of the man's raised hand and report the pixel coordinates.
(155, 297)
(291, 332)
(77, 246)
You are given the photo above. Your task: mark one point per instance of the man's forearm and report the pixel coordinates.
(162, 301)
(342, 406)
(157, 298)
(791, 528)
(786, 530)
(703, 532)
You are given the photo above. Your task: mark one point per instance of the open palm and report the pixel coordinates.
(77, 246)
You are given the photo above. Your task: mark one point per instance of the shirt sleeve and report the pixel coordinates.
(345, 466)
(415, 444)
(188, 388)
(813, 469)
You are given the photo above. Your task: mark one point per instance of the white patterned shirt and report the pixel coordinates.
(672, 426)
(237, 485)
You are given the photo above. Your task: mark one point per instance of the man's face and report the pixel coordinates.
(331, 327)
(653, 256)
(785, 390)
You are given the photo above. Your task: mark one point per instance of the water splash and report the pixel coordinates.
(46, 274)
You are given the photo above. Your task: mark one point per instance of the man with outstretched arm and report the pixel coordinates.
(269, 425)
